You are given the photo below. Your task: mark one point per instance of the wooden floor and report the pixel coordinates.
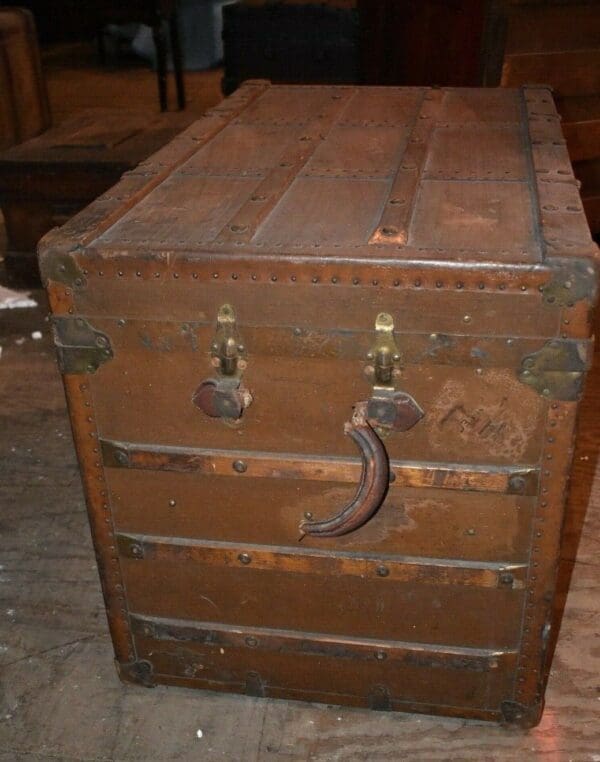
(59, 695)
(76, 82)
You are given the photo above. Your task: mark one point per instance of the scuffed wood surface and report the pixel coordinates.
(60, 698)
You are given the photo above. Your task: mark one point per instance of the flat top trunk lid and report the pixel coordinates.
(348, 173)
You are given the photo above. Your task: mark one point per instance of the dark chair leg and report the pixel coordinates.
(160, 43)
(177, 60)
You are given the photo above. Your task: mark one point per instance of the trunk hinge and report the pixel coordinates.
(79, 346)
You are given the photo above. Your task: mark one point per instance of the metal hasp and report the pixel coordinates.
(225, 397)
(227, 349)
(79, 346)
(388, 410)
(557, 370)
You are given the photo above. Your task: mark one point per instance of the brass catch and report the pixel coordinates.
(225, 396)
(384, 356)
(227, 349)
(388, 410)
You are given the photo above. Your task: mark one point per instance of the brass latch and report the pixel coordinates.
(388, 410)
(224, 396)
(227, 349)
(384, 357)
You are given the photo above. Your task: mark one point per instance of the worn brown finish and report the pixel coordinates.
(24, 110)
(474, 298)
(46, 180)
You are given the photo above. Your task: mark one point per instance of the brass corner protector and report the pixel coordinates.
(573, 280)
(80, 347)
(60, 268)
(557, 370)
(139, 671)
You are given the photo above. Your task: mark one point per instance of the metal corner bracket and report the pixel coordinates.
(62, 268)
(557, 370)
(139, 671)
(79, 346)
(572, 281)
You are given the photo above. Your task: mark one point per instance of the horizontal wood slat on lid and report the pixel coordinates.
(315, 303)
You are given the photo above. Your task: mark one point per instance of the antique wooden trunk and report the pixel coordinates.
(323, 355)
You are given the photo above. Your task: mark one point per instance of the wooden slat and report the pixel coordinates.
(319, 644)
(426, 571)
(283, 465)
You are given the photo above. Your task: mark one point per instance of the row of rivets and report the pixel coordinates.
(417, 282)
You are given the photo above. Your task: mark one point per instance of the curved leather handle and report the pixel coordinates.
(373, 482)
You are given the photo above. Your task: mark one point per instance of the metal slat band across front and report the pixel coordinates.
(300, 561)
(319, 644)
(515, 480)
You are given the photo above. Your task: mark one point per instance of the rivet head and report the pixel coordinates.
(137, 551)
(239, 466)
(172, 503)
(121, 457)
(506, 579)
(380, 655)
(467, 319)
(382, 571)
(308, 515)
(244, 558)
(516, 483)
(251, 642)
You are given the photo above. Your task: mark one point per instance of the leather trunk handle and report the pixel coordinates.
(373, 482)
